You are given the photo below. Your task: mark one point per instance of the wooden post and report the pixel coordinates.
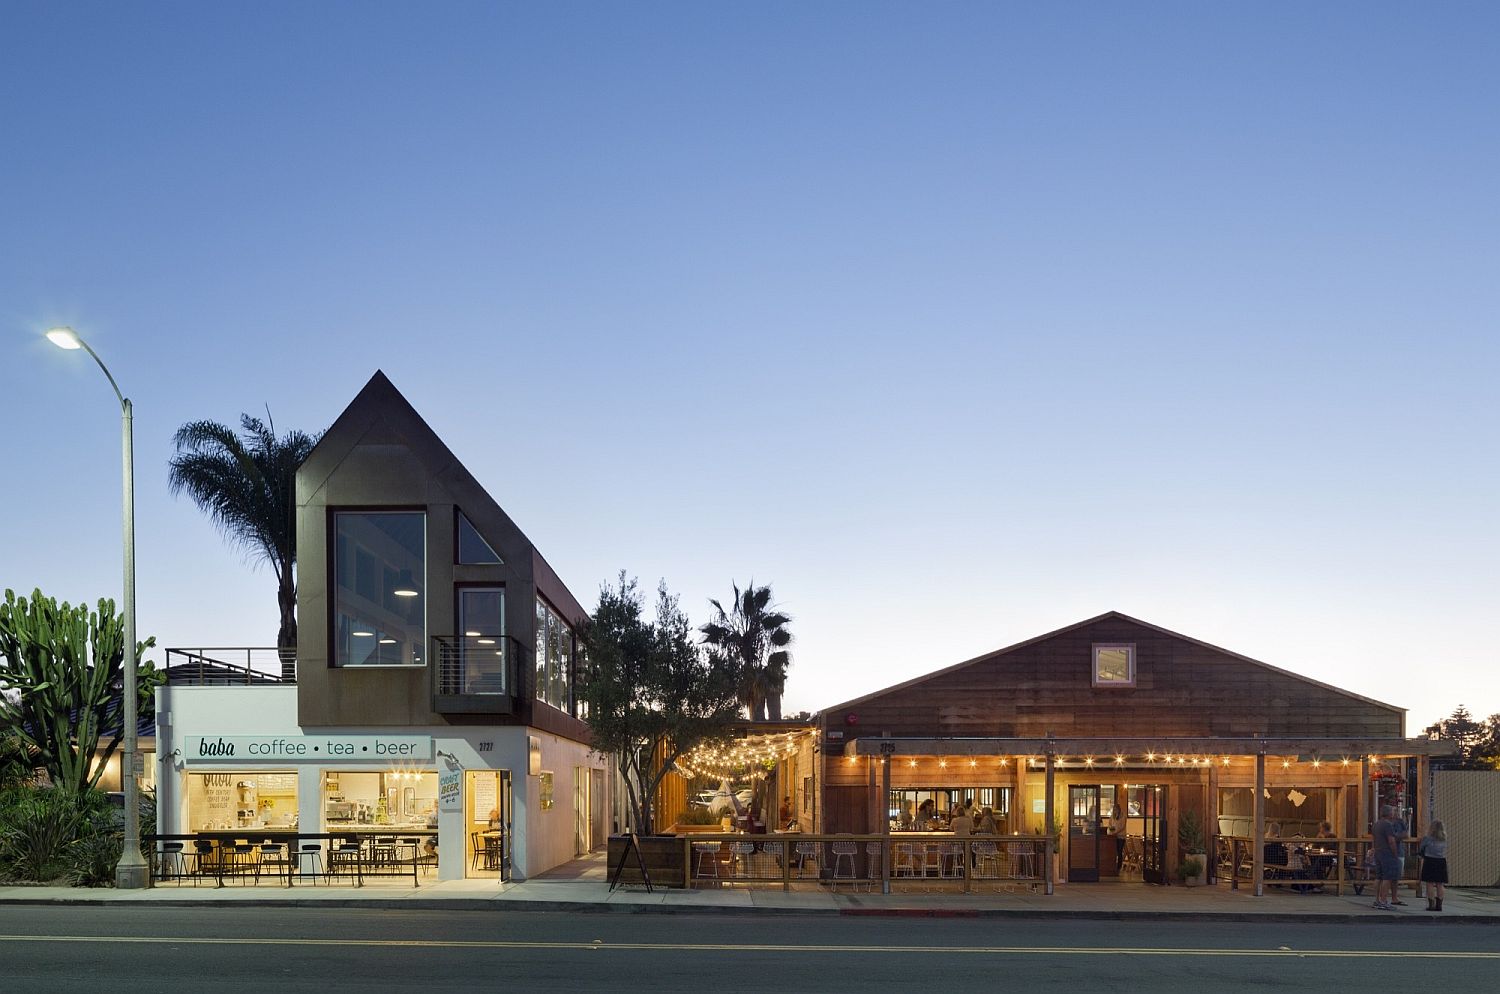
(1211, 817)
(885, 845)
(1258, 856)
(1047, 825)
(1363, 829)
(1420, 815)
(872, 826)
(1018, 808)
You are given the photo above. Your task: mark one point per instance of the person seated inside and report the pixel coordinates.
(1325, 830)
(987, 824)
(924, 819)
(1273, 830)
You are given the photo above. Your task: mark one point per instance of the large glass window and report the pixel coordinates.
(243, 799)
(401, 798)
(481, 619)
(379, 579)
(554, 658)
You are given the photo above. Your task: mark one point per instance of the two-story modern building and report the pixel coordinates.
(433, 689)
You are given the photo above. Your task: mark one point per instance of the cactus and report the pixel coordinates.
(60, 668)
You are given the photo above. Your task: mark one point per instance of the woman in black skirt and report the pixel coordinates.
(1434, 852)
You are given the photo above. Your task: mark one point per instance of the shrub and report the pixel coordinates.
(49, 834)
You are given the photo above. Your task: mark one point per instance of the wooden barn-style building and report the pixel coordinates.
(1114, 730)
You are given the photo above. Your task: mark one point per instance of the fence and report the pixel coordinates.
(1004, 862)
(1307, 863)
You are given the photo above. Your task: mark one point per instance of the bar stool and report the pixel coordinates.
(807, 852)
(904, 863)
(416, 851)
(274, 856)
(706, 853)
(346, 857)
(241, 862)
(874, 858)
(739, 857)
(171, 862)
(843, 855)
(310, 853)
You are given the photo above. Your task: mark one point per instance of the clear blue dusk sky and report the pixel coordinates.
(956, 322)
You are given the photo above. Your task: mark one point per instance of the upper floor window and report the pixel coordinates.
(379, 587)
(1114, 665)
(472, 548)
(554, 658)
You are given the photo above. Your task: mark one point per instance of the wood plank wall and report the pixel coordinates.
(1182, 689)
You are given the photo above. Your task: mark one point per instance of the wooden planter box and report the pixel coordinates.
(663, 860)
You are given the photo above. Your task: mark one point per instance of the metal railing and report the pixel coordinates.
(476, 665)
(230, 666)
(1004, 862)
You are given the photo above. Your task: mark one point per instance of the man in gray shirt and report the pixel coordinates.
(1387, 848)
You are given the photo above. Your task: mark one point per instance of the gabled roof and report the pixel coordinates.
(1109, 616)
(380, 402)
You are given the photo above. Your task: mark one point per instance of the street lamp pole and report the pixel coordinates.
(132, 871)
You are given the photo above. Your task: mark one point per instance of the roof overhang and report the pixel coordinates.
(1136, 746)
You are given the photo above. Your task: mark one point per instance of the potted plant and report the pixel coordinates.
(1190, 870)
(1190, 847)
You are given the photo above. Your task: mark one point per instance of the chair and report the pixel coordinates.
(415, 844)
(206, 860)
(241, 860)
(706, 856)
(1130, 863)
(476, 851)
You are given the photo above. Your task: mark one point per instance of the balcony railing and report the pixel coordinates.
(230, 666)
(475, 673)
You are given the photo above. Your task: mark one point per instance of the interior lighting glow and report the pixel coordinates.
(363, 635)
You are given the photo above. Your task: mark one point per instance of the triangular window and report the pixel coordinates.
(472, 548)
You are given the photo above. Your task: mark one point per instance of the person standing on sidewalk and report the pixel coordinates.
(1434, 852)
(1387, 858)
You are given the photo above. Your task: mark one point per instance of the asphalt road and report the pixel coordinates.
(320, 951)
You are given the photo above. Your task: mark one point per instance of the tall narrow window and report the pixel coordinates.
(554, 658)
(379, 580)
(481, 618)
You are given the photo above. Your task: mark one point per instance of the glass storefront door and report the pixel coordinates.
(487, 823)
(1083, 833)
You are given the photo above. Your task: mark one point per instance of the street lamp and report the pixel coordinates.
(132, 872)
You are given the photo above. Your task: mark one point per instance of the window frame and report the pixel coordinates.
(332, 588)
(1129, 649)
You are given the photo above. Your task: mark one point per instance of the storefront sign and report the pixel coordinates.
(304, 748)
(451, 789)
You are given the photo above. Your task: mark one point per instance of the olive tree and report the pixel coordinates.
(650, 692)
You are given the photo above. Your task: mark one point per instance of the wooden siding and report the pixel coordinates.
(1183, 688)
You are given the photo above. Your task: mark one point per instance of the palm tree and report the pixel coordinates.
(753, 634)
(247, 484)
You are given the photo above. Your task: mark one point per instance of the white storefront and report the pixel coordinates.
(233, 758)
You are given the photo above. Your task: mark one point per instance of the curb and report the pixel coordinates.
(582, 907)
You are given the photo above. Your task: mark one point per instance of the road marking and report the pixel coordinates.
(745, 947)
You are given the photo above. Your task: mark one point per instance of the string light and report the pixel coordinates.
(1004, 761)
(911, 763)
(1119, 760)
(973, 763)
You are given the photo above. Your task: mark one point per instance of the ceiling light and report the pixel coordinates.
(406, 585)
(387, 641)
(486, 641)
(470, 635)
(363, 635)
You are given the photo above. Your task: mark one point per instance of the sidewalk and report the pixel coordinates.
(581, 887)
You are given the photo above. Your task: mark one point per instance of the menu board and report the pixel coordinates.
(277, 783)
(485, 798)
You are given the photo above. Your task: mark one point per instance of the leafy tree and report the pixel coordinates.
(752, 637)
(247, 484)
(61, 673)
(1478, 741)
(651, 692)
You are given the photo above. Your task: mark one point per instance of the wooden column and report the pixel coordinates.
(1258, 875)
(871, 825)
(1019, 807)
(1420, 815)
(1048, 822)
(1211, 823)
(885, 823)
(1366, 798)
